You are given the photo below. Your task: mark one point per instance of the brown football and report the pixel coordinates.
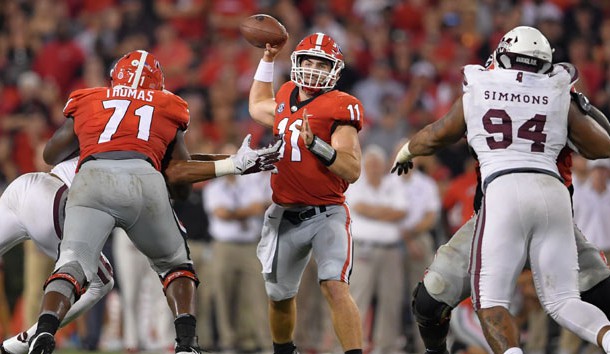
(260, 29)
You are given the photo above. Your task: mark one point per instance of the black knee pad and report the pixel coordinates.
(181, 271)
(432, 318)
(599, 295)
(427, 311)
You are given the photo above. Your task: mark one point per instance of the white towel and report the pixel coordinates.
(268, 243)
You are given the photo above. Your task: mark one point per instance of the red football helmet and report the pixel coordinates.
(319, 46)
(138, 69)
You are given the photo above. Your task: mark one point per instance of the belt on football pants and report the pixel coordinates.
(118, 155)
(297, 217)
(495, 175)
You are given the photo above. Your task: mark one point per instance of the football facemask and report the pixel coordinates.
(316, 46)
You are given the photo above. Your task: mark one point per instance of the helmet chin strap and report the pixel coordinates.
(504, 61)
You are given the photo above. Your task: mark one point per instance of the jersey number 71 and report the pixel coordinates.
(145, 114)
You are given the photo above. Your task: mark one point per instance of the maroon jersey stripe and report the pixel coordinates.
(477, 257)
(56, 205)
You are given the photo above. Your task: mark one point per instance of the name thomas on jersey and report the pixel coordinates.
(126, 92)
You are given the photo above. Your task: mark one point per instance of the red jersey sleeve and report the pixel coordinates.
(348, 110)
(74, 101)
(179, 109)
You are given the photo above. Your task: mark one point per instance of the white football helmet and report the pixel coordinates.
(524, 48)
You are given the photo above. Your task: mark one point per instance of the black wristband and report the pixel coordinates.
(323, 151)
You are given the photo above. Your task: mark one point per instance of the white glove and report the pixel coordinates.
(403, 163)
(247, 160)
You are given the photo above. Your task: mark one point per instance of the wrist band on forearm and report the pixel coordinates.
(264, 71)
(224, 167)
(323, 151)
(405, 154)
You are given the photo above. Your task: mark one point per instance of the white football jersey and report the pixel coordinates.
(516, 119)
(65, 170)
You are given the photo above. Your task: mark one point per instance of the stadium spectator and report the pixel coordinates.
(379, 207)
(235, 207)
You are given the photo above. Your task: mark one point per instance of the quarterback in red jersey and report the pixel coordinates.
(126, 134)
(320, 157)
(317, 187)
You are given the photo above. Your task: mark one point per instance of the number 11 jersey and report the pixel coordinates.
(302, 178)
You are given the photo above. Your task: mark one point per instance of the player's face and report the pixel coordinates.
(319, 67)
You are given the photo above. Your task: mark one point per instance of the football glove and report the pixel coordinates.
(247, 160)
(402, 163)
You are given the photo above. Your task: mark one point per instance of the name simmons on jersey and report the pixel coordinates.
(515, 97)
(128, 92)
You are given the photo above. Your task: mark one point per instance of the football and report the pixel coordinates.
(260, 29)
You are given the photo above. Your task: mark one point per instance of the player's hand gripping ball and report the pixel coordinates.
(260, 29)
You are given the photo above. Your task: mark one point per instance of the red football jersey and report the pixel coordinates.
(302, 178)
(564, 165)
(126, 119)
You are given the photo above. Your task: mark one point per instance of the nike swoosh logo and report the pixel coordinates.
(271, 217)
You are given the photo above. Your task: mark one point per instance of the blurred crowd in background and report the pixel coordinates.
(403, 61)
